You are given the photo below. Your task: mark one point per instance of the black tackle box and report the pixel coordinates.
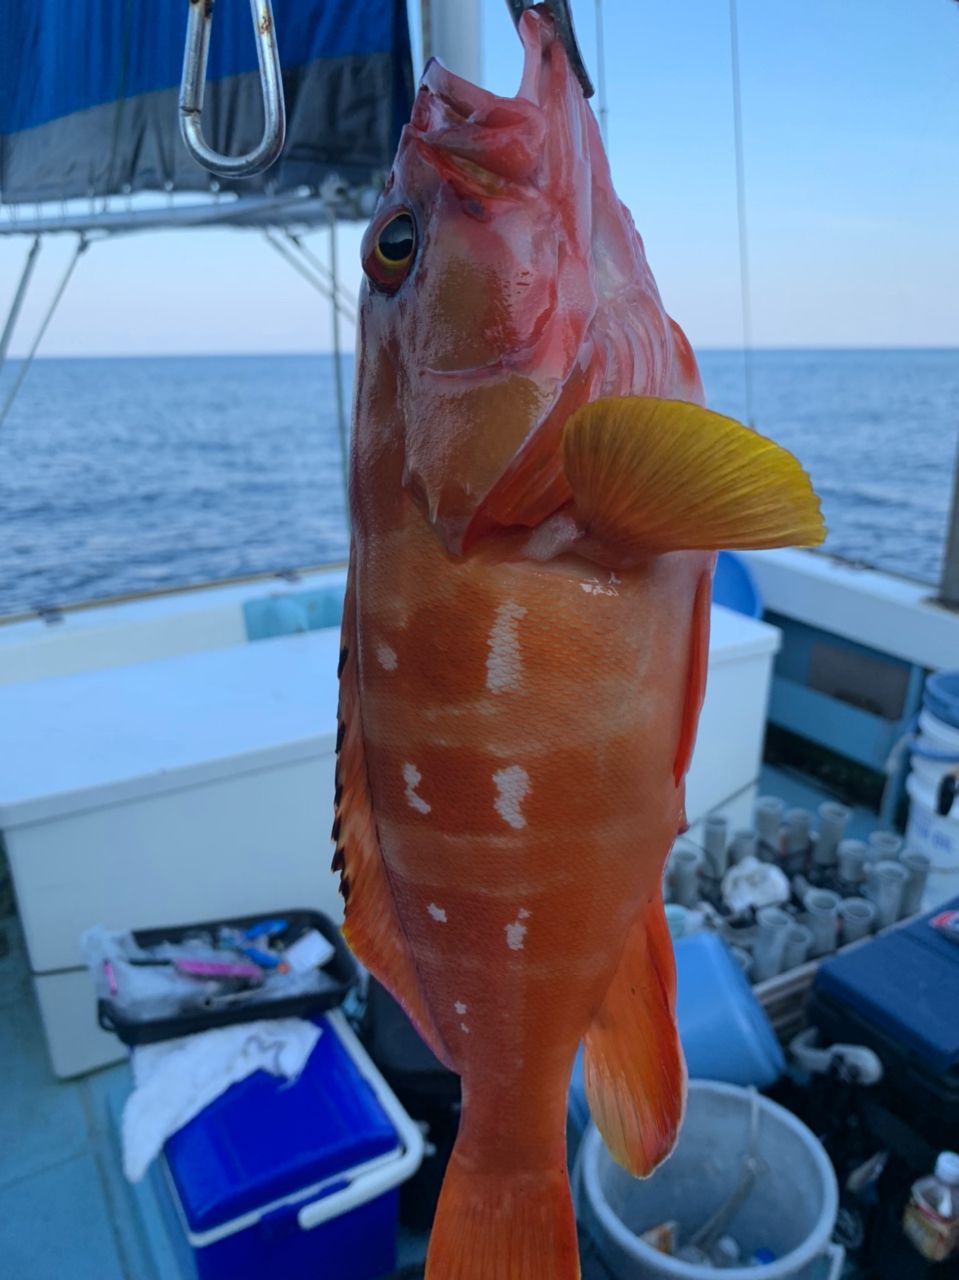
(339, 973)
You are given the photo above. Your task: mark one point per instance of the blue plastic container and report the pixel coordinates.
(295, 1179)
(289, 613)
(734, 585)
(725, 1033)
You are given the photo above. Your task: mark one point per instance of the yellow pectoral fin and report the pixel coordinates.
(652, 475)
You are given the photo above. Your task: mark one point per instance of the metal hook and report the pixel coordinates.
(562, 15)
(194, 81)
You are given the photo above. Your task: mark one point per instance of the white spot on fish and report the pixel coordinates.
(438, 914)
(522, 914)
(412, 777)
(512, 785)
(460, 1007)
(464, 1028)
(515, 933)
(593, 586)
(386, 657)
(504, 666)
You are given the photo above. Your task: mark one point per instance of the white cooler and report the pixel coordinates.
(191, 788)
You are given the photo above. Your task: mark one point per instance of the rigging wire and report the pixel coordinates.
(741, 211)
(305, 269)
(345, 303)
(334, 295)
(18, 298)
(338, 373)
(82, 246)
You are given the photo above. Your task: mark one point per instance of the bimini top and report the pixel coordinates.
(89, 88)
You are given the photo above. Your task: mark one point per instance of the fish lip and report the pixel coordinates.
(466, 99)
(537, 34)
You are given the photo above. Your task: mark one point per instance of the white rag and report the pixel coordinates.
(176, 1079)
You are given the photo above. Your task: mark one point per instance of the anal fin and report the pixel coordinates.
(634, 1067)
(372, 926)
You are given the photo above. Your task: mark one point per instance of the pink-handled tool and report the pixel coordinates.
(219, 969)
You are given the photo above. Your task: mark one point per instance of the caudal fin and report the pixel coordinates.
(494, 1226)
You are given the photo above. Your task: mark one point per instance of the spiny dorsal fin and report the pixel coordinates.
(652, 475)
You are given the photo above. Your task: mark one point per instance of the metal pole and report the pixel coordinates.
(451, 32)
(949, 586)
(338, 365)
(18, 298)
(426, 32)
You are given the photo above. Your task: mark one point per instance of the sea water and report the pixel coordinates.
(125, 475)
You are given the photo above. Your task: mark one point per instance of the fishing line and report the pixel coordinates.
(603, 111)
(741, 212)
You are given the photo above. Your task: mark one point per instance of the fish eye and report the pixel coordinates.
(393, 249)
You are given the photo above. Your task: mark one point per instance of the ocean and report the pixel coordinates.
(126, 475)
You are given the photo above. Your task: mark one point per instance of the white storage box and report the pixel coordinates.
(191, 788)
(733, 723)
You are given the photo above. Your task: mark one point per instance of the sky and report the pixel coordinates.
(851, 149)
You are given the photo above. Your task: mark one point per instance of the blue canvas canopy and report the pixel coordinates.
(88, 94)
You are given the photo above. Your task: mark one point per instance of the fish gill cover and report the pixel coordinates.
(88, 94)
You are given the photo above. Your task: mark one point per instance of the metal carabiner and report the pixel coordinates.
(194, 81)
(563, 17)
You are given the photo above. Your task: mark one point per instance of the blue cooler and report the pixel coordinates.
(294, 1179)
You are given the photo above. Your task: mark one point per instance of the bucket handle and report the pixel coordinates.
(713, 1227)
(910, 742)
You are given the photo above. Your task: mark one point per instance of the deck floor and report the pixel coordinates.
(68, 1211)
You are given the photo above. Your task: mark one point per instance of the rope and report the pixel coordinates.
(741, 211)
(82, 244)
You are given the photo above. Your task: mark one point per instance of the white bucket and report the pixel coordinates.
(790, 1208)
(927, 832)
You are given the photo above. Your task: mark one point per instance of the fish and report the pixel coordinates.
(537, 494)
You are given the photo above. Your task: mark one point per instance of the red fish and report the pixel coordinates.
(536, 498)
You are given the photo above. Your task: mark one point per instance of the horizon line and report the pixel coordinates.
(349, 353)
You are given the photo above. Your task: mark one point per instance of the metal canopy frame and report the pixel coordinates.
(275, 216)
(305, 208)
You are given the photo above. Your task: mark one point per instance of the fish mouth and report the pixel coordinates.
(476, 138)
